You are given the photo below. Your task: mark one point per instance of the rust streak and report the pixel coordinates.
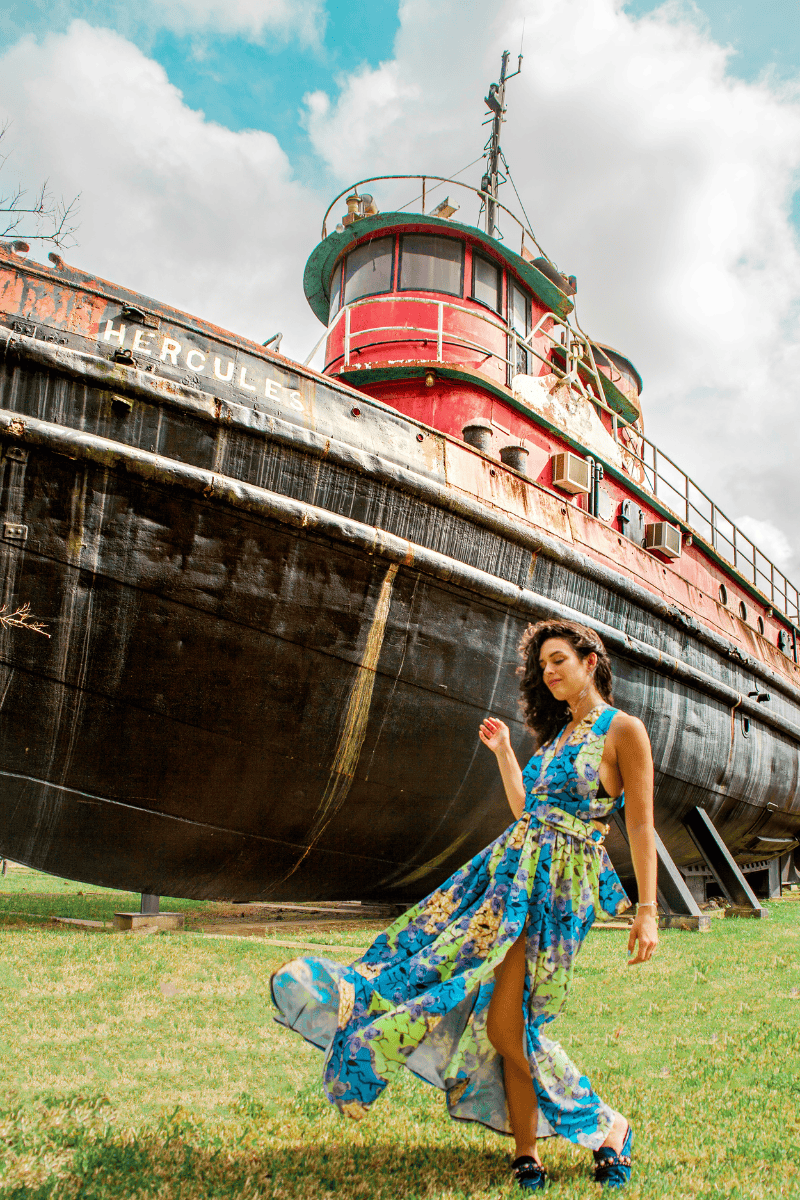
(432, 864)
(354, 725)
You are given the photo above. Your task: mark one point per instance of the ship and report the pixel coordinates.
(280, 600)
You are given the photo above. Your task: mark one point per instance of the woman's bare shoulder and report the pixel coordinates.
(624, 726)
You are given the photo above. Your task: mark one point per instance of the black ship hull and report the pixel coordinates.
(272, 644)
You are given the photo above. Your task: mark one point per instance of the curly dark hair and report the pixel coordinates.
(544, 715)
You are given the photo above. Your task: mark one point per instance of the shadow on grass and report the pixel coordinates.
(180, 1158)
(110, 1166)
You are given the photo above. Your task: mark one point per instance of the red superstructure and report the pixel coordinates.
(455, 329)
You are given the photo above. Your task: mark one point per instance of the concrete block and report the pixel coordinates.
(699, 924)
(144, 921)
(741, 910)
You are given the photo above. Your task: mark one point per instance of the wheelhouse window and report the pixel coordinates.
(519, 317)
(336, 292)
(626, 369)
(487, 278)
(368, 269)
(431, 264)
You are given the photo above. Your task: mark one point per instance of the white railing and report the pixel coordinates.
(678, 492)
(439, 181)
(577, 349)
(674, 489)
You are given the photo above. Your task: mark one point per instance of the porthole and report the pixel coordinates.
(745, 725)
(760, 624)
(743, 610)
(723, 594)
(783, 640)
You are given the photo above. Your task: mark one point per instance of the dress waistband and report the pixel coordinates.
(556, 818)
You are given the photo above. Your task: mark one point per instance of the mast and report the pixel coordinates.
(496, 103)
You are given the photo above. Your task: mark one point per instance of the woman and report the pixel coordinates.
(459, 988)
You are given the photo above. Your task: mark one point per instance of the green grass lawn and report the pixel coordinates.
(149, 1066)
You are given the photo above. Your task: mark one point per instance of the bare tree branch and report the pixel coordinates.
(42, 219)
(21, 619)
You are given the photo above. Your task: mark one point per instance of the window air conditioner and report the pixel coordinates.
(571, 473)
(664, 538)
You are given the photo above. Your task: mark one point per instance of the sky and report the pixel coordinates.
(656, 148)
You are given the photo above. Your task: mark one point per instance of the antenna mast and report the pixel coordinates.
(496, 103)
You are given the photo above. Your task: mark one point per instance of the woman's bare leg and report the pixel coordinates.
(617, 1135)
(506, 1030)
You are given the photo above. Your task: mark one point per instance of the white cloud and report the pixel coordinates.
(172, 205)
(303, 19)
(657, 179)
(660, 181)
(769, 539)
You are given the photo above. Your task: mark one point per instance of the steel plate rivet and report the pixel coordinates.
(356, 412)
(419, 437)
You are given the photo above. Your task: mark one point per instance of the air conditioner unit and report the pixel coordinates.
(664, 538)
(571, 473)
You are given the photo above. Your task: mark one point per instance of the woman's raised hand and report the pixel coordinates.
(494, 734)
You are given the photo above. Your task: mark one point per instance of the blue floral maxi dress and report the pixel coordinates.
(419, 997)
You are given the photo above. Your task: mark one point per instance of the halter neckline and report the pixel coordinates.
(557, 739)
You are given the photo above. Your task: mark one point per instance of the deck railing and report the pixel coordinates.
(577, 349)
(693, 509)
(438, 181)
(678, 492)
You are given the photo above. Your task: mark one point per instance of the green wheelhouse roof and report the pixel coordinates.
(319, 268)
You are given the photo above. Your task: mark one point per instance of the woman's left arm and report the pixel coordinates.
(635, 763)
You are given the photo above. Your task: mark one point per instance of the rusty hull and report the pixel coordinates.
(278, 617)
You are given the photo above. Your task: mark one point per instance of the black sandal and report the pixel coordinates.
(611, 1169)
(530, 1175)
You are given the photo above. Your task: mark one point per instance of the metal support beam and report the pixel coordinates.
(789, 872)
(680, 909)
(149, 903)
(774, 879)
(722, 865)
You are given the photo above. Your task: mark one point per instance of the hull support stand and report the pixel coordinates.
(149, 919)
(789, 873)
(723, 866)
(679, 909)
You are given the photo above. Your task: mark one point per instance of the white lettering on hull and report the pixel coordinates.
(112, 333)
(170, 350)
(197, 361)
(138, 338)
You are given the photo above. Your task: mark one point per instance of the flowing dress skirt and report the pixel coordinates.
(419, 997)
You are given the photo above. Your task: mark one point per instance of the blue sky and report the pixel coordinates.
(243, 81)
(245, 84)
(258, 82)
(763, 34)
(657, 148)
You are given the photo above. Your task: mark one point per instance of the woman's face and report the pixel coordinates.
(563, 671)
